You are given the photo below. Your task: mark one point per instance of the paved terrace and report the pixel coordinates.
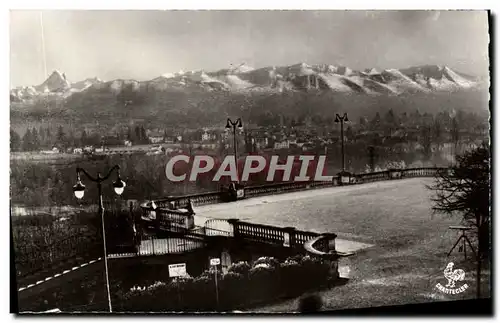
(400, 244)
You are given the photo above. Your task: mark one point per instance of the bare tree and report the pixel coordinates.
(464, 190)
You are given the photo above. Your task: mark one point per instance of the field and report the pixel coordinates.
(410, 243)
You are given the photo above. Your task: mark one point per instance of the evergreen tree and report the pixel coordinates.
(61, 136)
(391, 122)
(390, 118)
(83, 138)
(71, 138)
(437, 132)
(94, 140)
(15, 141)
(138, 134)
(130, 135)
(41, 136)
(26, 145)
(426, 140)
(416, 117)
(49, 141)
(371, 158)
(455, 135)
(144, 137)
(122, 135)
(404, 118)
(35, 140)
(375, 123)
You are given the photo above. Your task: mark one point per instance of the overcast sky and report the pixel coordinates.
(145, 44)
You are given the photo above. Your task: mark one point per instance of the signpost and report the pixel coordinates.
(215, 262)
(177, 270)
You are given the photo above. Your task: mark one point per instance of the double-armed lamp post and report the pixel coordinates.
(342, 119)
(233, 125)
(79, 190)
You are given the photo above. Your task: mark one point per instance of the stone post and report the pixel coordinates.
(157, 220)
(394, 173)
(334, 265)
(234, 225)
(289, 234)
(330, 245)
(332, 256)
(240, 193)
(189, 221)
(344, 178)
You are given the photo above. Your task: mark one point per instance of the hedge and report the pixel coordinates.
(243, 285)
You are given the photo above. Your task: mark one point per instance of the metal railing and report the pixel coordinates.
(175, 202)
(218, 227)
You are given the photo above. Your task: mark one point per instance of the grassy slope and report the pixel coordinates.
(410, 249)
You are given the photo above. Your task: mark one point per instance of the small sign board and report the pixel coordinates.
(177, 270)
(214, 261)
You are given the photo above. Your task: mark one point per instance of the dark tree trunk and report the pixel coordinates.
(478, 278)
(484, 240)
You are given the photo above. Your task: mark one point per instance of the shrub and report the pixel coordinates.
(263, 282)
(267, 262)
(232, 289)
(241, 267)
(266, 280)
(201, 294)
(232, 279)
(315, 269)
(291, 276)
(294, 259)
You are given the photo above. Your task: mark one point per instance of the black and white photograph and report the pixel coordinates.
(250, 161)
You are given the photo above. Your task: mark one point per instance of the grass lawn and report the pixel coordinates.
(410, 243)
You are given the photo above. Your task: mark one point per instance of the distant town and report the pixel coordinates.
(426, 135)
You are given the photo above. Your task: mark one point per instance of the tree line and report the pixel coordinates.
(44, 138)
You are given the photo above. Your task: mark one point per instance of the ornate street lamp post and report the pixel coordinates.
(233, 125)
(344, 177)
(79, 190)
(236, 189)
(342, 120)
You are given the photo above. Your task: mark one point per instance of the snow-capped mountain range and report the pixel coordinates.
(243, 78)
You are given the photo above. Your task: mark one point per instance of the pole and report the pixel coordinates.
(342, 135)
(235, 152)
(179, 293)
(101, 212)
(478, 256)
(216, 288)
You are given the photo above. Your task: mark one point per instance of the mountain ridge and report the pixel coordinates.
(273, 79)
